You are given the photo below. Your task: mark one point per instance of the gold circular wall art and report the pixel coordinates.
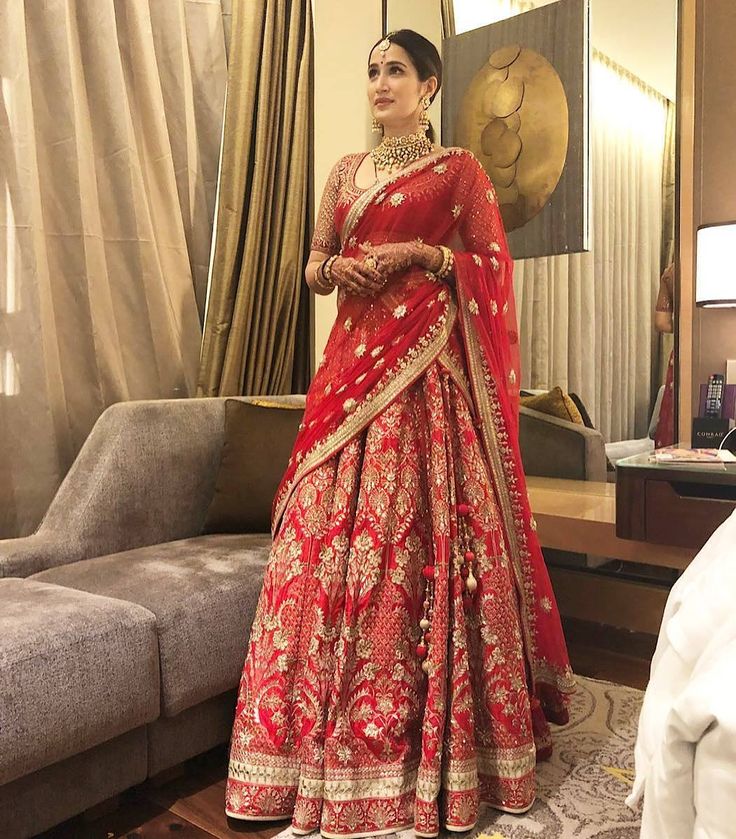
(514, 118)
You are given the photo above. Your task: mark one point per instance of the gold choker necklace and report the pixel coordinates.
(397, 152)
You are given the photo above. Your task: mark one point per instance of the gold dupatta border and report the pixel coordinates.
(391, 384)
(498, 450)
(361, 204)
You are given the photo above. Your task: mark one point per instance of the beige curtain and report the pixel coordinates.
(111, 115)
(251, 328)
(586, 320)
(447, 9)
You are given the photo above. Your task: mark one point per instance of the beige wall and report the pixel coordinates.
(714, 331)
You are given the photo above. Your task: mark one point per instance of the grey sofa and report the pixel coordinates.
(123, 629)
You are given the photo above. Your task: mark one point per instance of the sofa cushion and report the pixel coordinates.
(76, 670)
(259, 437)
(203, 592)
(556, 403)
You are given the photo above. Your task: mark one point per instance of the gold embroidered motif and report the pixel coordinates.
(494, 307)
(512, 377)
(457, 210)
(349, 405)
(491, 196)
(397, 198)
(400, 311)
(440, 168)
(348, 325)
(546, 604)
(376, 351)
(478, 261)
(360, 350)
(495, 263)
(473, 307)
(495, 247)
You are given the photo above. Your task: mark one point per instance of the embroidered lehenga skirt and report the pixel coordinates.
(337, 722)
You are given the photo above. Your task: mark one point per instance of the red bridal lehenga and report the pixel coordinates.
(406, 652)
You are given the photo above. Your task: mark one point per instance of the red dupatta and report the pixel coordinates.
(379, 346)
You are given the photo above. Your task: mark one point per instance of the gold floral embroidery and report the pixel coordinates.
(376, 351)
(349, 405)
(495, 247)
(397, 198)
(360, 350)
(353, 241)
(473, 307)
(457, 210)
(328, 388)
(546, 604)
(512, 377)
(494, 307)
(478, 261)
(491, 196)
(495, 263)
(400, 311)
(348, 325)
(440, 168)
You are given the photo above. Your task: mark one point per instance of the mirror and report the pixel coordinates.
(587, 320)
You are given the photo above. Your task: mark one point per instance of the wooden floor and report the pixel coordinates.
(191, 806)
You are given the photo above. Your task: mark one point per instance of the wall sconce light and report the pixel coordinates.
(715, 278)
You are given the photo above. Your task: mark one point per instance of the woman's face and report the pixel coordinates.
(394, 88)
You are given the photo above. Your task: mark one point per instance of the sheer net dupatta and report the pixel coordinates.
(484, 285)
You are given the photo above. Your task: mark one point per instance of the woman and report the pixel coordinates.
(406, 651)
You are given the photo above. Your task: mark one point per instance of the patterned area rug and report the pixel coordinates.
(581, 790)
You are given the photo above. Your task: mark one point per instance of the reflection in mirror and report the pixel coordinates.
(587, 321)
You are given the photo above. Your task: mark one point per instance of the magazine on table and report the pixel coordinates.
(675, 455)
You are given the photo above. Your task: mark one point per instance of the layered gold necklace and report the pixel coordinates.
(396, 152)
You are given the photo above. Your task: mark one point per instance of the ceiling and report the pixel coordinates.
(641, 35)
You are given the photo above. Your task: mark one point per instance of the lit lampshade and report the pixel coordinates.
(715, 278)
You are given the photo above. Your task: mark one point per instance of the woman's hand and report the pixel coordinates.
(398, 256)
(357, 276)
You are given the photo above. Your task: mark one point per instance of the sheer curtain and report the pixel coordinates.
(586, 320)
(111, 119)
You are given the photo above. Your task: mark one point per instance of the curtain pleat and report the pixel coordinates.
(253, 329)
(586, 320)
(111, 116)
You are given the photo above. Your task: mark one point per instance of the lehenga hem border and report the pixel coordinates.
(364, 834)
(244, 818)
(514, 811)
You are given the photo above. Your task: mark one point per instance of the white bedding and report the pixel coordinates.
(686, 744)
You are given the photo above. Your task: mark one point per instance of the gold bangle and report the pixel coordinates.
(448, 261)
(322, 280)
(327, 269)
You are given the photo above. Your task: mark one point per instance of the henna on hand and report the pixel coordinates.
(393, 257)
(355, 276)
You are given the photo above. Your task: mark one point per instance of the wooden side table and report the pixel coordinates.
(675, 505)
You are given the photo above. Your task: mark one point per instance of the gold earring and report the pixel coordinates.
(376, 126)
(423, 118)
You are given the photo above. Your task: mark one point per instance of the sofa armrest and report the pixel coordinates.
(556, 448)
(145, 475)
